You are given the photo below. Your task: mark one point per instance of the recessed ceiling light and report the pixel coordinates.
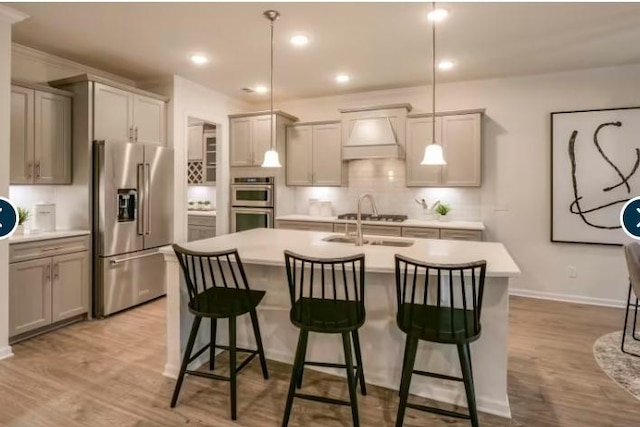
(261, 89)
(199, 59)
(438, 15)
(299, 40)
(446, 65)
(342, 78)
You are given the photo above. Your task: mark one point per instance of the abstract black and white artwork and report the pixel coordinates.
(595, 158)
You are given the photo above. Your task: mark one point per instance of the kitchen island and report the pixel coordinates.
(382, 342)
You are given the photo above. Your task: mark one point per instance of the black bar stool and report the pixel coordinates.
(454, 318)
(218, 289)
(632, 255)
(327, 297)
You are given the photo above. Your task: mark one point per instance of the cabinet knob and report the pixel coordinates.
(38, 169)
(29, 169)
(136, 133)
(56, 271)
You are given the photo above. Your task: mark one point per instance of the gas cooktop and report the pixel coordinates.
(369, 217)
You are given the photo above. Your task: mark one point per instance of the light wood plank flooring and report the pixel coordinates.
(108, 373)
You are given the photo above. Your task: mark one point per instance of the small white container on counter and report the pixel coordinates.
(314, 207)
(44, 217)
(326, 208)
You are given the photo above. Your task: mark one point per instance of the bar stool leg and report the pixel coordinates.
(411, 347)
(185, 359)
(404, 363)
(296, 374)
(299, 378)
(256, 332)
(232, 365)
(356, 344)
(353, 393)
(212, 350)
(465, 363)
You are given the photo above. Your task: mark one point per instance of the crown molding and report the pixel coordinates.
(11, 15)
(59, 62)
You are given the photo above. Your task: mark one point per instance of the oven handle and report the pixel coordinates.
(252, 187)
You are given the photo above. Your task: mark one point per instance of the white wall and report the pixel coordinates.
(190, 99)
(7, 17)
(514, 201)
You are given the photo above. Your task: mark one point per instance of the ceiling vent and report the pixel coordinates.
(247, 90)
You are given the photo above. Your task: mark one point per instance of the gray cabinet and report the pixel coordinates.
(48, 283)
(314, 154)
(201, 227)
(250, 136)
(40, 136)
(29, 296)
(195, 150)
(367, 229)
(421, 232)
(460, 136)
(126, 116)
(454, 234)
(305, 225)
(69, 290)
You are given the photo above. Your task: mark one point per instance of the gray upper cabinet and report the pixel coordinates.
(127, 116)
(40, 136)
(251, 136)
(22, 135)
(314, 154)
(195, 150)
(460, 136)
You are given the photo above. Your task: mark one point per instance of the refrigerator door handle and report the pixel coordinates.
(147, 198)
(141, 199)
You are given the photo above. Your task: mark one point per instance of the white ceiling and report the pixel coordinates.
(382, 45)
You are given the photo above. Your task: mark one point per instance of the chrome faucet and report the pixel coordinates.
(374, 212)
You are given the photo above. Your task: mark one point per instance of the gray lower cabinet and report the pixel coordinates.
(374, 230)
(201, 227)
(453, 234)
(48, 283)
(421, 232)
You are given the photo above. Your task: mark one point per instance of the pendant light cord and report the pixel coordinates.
(271, 89)
(433, 79)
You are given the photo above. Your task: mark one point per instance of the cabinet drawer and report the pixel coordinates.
(453, 234)
(374, 230)
(206, 221)
(47, 248)
(305, 225)
(421, 232)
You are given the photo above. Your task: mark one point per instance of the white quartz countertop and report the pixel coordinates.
(47, 235)
(458, 225)
(202, 213)
(266, 246)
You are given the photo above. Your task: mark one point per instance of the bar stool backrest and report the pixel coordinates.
(632, 254)
(206, 270)
(441, 286)
(336, 279)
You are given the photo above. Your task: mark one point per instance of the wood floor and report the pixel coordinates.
(108, 373)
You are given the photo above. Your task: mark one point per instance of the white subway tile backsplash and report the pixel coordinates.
(385, 179)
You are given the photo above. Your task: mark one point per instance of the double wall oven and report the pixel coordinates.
(252, 203)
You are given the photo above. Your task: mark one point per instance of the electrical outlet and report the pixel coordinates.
(572, 272)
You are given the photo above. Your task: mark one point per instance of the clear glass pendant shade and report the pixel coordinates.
(433, 155)
(271, 159)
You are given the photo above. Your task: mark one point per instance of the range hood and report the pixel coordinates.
(374, 132)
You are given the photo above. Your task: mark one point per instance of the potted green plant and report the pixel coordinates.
(207, 205)
(192, 205)
(23, 217)
(443, 211)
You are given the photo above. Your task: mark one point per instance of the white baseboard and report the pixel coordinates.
(567, 298)
(5, 352)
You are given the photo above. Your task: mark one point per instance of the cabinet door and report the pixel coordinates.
(374, 230)
(260, 137)
(461, 143)
(195, 144)
(149, 120)
(455, 234)
(29, 295)
(421, 232)
(113, 113)
(419, 134)
(52, 139)
(241, 153)
(300, 155)
(22, 135)
(210, 158)
(70, 286)
(327, 155)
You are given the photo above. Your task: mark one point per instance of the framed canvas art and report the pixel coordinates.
(595, 169)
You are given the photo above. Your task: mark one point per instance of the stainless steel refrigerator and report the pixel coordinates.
(132, 219)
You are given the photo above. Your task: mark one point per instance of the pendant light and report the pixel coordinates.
(433, 152)
(271, 158)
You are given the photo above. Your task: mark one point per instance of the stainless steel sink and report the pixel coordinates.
(397, 243)
(404, 243)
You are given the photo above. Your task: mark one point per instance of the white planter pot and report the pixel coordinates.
(444, 218)
(19, 230)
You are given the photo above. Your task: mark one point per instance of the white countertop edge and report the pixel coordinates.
(47, 235)
(458, 225)
(201, 213)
